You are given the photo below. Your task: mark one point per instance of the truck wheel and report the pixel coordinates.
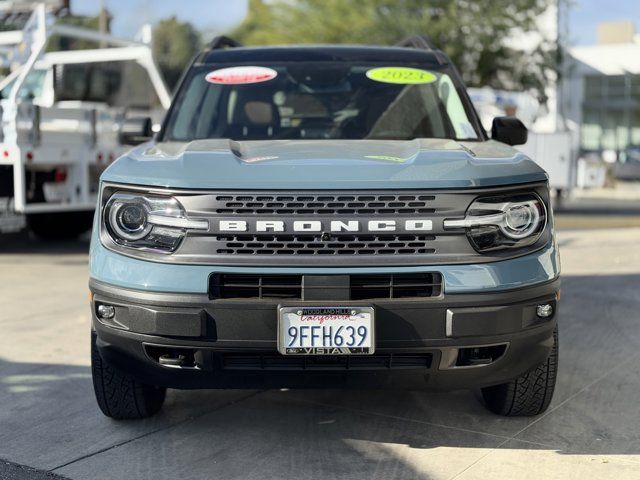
(528, 394)
(59, 226)
(119, 395)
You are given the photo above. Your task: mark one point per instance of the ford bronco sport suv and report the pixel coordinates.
(324, 216)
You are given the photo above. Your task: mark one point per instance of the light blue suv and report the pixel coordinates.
(324, 216)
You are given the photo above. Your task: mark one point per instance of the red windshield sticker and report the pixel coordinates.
(241, 75)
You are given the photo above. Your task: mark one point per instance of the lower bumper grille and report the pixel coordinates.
(414, 285)
(329, 362)
(360, 287)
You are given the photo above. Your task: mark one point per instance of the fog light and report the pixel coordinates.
(544, 311)
(106, 312)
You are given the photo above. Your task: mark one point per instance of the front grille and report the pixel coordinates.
(323, 204)
(315, 245)
(294, 228)
(361, 287)
(412, 285)
(231, 361)
(256, 286)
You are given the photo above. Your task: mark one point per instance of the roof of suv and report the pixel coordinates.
(322, 53)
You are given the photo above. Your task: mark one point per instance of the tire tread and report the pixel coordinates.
(529, 394)
(119, 395)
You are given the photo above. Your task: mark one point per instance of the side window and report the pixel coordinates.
(208, 111)
(135, 89)
(89, 82)
(118, 84)
(455, 109)
(71, 81)
(105, 80)
(189, 112)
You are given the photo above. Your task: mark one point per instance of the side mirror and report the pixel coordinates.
(135, 131)
(509, 130)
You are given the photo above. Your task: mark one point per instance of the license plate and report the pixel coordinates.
(326, 330)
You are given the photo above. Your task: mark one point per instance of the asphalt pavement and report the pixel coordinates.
(49, 420)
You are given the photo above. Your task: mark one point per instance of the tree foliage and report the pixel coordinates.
(474, 33)
(174, 44)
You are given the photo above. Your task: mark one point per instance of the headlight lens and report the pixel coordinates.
(521, 219)
(147, 222)
(129, 220)
(501, 222)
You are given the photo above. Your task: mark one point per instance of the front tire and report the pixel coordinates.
(120, 396)
(529, 394)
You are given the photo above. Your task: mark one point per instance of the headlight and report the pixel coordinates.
(129, 220)
(500, 222)
(147, 222)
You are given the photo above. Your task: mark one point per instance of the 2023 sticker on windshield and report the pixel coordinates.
(401, 75)
(241, 75)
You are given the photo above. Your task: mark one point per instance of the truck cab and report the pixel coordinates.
(65, 117)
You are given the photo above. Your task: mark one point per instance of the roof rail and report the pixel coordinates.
(422, 42)
(221, 42)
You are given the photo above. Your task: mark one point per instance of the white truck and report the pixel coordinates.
(65, 116)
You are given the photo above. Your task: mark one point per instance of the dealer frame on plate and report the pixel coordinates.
(326, 330)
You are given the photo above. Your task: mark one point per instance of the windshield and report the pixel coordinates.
(317, 100)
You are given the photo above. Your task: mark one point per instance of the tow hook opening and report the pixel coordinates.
(175, 357)
(478, 356)
(474, 356)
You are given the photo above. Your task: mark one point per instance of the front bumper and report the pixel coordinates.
(420, 343)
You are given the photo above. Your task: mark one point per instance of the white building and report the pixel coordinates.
(600, 94)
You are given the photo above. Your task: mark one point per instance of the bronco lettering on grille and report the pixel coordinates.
(414, 225)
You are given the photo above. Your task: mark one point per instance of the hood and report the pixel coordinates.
(324, 164)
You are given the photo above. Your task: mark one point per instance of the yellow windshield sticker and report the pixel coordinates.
(401, 75)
